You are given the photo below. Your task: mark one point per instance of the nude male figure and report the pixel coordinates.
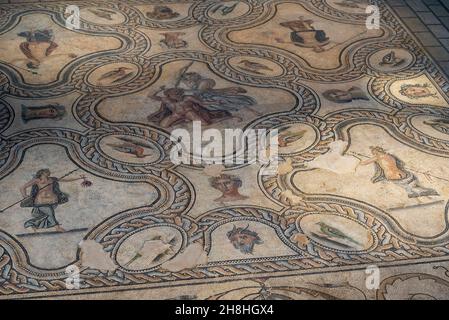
(176, 107)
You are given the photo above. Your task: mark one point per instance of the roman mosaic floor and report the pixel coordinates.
(92, 205)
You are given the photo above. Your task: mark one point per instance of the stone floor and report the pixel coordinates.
(428, 20)
(93, 203)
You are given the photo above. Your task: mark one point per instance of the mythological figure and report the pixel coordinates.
(39, 45)
(44, 199)
(390, 168)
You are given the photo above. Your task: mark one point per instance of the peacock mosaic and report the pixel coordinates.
(87, 186)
